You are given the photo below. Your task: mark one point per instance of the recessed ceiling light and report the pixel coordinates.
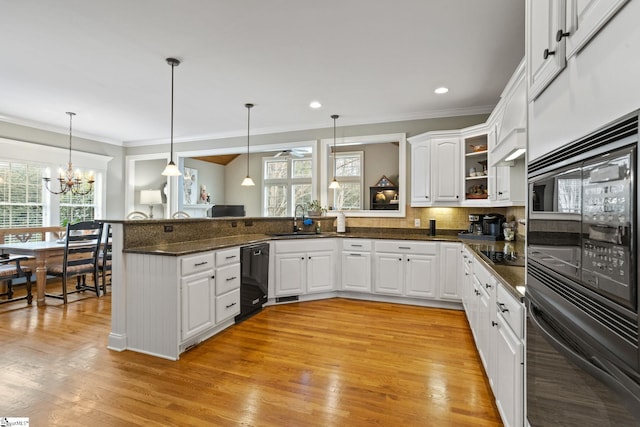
(315, 104)
(441, 90)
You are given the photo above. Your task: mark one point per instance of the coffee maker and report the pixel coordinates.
(492, 225)
(475, 224)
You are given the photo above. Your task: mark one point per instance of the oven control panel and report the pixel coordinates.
(606, 266)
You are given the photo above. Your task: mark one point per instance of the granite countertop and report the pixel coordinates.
(512, 276)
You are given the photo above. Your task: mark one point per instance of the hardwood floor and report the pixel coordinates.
(335, 362)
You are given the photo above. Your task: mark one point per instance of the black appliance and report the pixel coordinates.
(475, 223)
(583, 357)
(218, 211)
(254, 267)
(492, 225)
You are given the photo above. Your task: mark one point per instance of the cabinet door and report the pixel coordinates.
(320, 271)
(510, 375)
(502, 183)
(290, 274)
(389, 275)
(446, 166)
(544, 19)
(356, 271)
(450, 271)
(421, 278)
(198, 303)
(584, 20)
(420, 174)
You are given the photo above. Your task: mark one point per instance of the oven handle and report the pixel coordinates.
(602, 370)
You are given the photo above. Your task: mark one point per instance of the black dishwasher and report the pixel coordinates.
(254, 266)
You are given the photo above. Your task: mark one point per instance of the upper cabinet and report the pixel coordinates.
(446, 167)
(435, 169)
(556, 31)
(584, 19)
(545, 55)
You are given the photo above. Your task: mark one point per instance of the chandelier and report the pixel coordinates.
(70, 181)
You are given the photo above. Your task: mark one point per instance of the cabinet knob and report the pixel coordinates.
(503, 308)
(500, 193)
(547, 53)
(487, 285)
(493, 323)
(426, 197)
(560, 34)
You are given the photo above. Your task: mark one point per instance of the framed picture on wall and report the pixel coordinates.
(190, 186)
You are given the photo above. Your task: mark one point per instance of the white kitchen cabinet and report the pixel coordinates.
(421, 174)
(451, 275)
(304, 266)
(291, 273)
(406, 268)
(509, 372)
(228, 280)
(545, 55)
(435, 169)
(446, 166)
(466, 267)
(584, 19)
(356, 265)
(198, 303)
(510, 183)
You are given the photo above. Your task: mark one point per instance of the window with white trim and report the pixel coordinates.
(21, 203)
(350, 176)
(24, 201)
(287, 182)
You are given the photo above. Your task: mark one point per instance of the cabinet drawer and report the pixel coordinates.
(483, 275)
(356, 245)
(305, 245)
(195, 263)
(227, 305)
(227, 278)
(511, 310)
(227, 256)
(407, 246)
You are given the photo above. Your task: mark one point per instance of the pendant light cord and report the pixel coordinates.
(334, 117)
(172, 67)
(70, 130)
(248, 106)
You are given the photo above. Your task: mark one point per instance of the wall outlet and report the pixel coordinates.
(416, 222)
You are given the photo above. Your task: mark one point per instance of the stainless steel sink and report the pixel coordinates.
(295, 234)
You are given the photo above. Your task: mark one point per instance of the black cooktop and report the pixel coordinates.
(502, 258)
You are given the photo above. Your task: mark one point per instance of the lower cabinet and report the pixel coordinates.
(356, 265)
(198, 303)
(496, 319)
(451, 276)
(406, 268)
(305, 266)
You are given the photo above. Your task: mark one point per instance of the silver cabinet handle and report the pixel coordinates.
(231, 278)
(198, 264)
(230, 305)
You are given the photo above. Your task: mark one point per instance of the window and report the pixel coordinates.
(287, 182)
(24, 202)
(21, 195)
(77, 208)
(349, 173)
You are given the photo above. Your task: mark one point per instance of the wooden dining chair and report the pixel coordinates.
(10, 270)
(104, 257)
(79, 260)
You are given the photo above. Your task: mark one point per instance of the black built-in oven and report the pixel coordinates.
(582, 292)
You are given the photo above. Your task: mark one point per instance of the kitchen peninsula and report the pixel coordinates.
(154, 263)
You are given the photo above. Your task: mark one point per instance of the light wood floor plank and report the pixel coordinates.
(334, 362)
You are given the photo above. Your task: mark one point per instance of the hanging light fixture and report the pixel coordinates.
(334, 184)
(248, 182)
(172, 169)
(69, 180)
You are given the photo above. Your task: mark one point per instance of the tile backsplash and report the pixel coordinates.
(446, 218)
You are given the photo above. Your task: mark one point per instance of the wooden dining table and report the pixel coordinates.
(42, 252)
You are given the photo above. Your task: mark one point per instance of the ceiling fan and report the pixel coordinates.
(293, 153)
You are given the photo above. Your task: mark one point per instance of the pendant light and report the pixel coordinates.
(172, 169)
(248, 182)
(70, 181)
(334, 184)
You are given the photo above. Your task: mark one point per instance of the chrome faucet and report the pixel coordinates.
(295, 218)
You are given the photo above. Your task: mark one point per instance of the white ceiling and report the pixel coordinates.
(368, 60)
